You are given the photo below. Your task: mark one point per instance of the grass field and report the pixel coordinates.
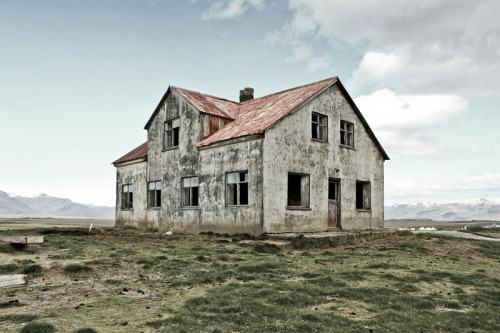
(133, 281)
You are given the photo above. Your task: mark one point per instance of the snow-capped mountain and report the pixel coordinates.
(44, 205)
(481, 209)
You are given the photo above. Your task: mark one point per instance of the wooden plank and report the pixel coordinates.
(13, 280)
(22, 239)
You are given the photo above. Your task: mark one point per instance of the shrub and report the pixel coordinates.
(38, 327)
(32, 270)
(85, 330)
(266, 248)
(76, 269)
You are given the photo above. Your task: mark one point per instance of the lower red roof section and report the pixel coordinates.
(137, 153)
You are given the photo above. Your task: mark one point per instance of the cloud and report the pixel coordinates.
(406, 124)
(230, 9)
(304, 54)
(426, 46)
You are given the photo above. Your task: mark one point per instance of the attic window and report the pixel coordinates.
(237, 188)
(127, 196)
(171, 138)
(363, 195)
(298, 191)
(346, 134)
(319, 127)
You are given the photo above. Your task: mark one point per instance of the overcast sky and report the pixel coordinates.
(79, 80)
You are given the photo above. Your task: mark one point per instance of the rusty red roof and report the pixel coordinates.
(137, 153)
(209, 104)
(256, 115)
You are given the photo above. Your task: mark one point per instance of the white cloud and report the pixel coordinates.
(304, 54)
(230, 9)
(405, 124)
(428, 46)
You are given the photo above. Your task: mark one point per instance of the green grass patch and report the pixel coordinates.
(75, 270)
(38, 327)
(18, 318)
(33, 270)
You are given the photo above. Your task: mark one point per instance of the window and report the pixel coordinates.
(190, 192)
(319, 127)
(298, 190)
(363, 195)
(171, 138)
(127, 196)
(346, 134)
(154, 194)
(237, 188)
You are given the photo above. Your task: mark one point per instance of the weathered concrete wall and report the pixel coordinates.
(209, 164)
(135, 174)
(288, 147)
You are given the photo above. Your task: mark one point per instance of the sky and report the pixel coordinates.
(79, 80)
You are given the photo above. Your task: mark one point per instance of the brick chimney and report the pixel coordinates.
(246, 94)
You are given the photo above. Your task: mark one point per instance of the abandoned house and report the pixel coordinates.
(300, 160)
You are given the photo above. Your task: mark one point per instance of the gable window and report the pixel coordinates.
(171, 138)
(319, 127)
(127, 196)
(190, 192)
(237, 188)
(363, 195)
(346, 134)
(298, 191)
(154, 194)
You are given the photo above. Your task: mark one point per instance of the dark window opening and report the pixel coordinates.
(346, 134)
(171, 138)
(363, 195)
(190, 192)
(127, 196)
(298, 190)
(319, 127)
(332, 190)
(154, 194)
(237, 188)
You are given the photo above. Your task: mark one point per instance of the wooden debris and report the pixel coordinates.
(13, 280)
(22, 239)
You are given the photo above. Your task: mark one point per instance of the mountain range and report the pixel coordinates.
(477, 210)
(44, 205)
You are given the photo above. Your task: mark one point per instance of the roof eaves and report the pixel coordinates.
(158, 108)
(334, 80)
(363, 121)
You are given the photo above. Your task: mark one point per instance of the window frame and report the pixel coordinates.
(190, 192)
(238, 185)
(365, 203)
(321, 125)
(127, 200)
(171, 133)
(154, 194)
(305, 191)
(344, 133)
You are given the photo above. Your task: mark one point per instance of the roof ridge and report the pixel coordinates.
(197, 92)
(294, 88)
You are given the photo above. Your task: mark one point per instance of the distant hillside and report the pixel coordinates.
(479, 210)
(44, 205)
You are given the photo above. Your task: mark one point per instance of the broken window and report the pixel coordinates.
(319, 127)
(347, 134)
(363, 195)
(127, 196)
(171, 138)
(333, 189)
(154, 194)
(237, 188)
(298, 190)
(190, 192)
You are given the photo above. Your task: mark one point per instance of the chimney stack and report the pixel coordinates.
(246, 94)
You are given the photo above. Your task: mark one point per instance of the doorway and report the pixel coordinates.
(334, 203)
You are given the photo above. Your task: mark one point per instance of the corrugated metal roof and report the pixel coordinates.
(256, 115)
(137, 153)
(209, 104)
